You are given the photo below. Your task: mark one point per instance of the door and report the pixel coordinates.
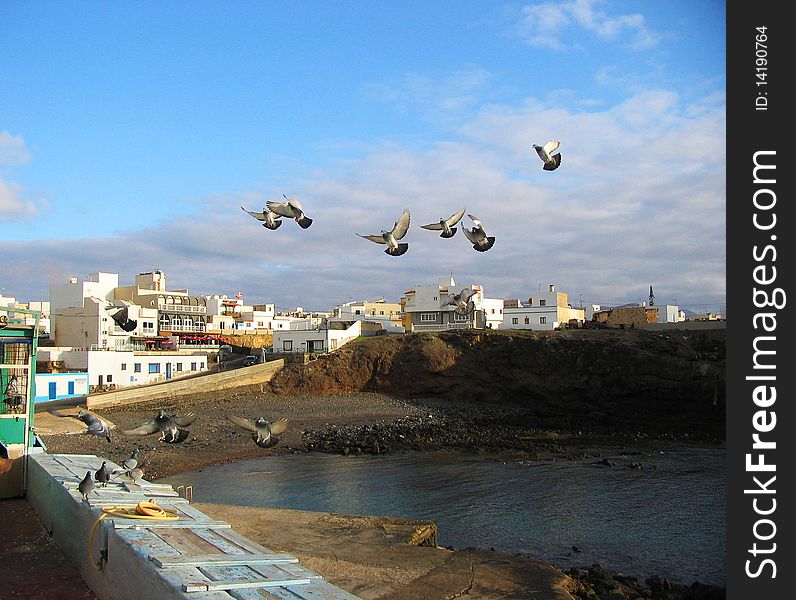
(168, 370)
(51, 391)
(70, 388)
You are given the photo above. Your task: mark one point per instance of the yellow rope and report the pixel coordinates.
(145, 510)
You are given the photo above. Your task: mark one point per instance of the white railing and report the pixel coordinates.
(183, 328)
(183, 308)
(442, 326)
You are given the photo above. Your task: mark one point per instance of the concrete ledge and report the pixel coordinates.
(231, 565)
(260, 373)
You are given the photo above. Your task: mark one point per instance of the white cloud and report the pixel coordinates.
(639, 200)
(546, 24)
(13, 151)
(13, 204)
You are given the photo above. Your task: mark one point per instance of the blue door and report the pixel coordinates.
(70, 388)
(51, 390)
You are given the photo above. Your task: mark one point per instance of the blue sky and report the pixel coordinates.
(131, 134)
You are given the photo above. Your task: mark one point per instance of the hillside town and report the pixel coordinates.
(85, 347)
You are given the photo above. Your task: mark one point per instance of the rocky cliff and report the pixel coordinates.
(587, 380)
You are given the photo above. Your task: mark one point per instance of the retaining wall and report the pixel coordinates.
(259, 373)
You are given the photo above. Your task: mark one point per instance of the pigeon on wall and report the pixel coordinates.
(86, 486)
(462, 302)
(136, 474)
(122, 318)
(292, 209)
(94, 425)
(269, 218)
(391, 237)
(103, 475)
(128, 463)
(264, 433)
(551, 161)
(447, 226)
(171, 427)
(477, 235)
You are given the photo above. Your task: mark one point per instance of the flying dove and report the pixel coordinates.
(165, 424)
(94, 425)
(448, 226)
(551, 161)
(478, 236)
(290, 208)
(264, 433)
(462, 302)
(122, 319)
(269, 218)
(391, 237)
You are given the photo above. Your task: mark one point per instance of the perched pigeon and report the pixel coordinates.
(478, 236)
(165, 424)
(291, 208)
(86, 486)
(129, 463)
(136, 474)
(448, 226)
(264, 433)
(462, 302)
(122, 319)
(551, 161)
(270, 219)
(94, 425)
(103, 475)
(391, 237)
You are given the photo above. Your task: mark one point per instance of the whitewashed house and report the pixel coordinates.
(546, 310)
(387, 314)
(424, 310)
(327, 338)
(113, 369)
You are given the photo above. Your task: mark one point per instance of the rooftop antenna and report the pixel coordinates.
(652, 297)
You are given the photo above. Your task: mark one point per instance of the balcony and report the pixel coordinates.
(183, 309)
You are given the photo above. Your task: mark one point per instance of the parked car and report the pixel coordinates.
(250, 360)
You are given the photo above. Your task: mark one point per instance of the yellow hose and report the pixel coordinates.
(144, 510)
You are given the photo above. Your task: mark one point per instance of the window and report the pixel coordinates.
(201, 365)
(542, 302)
(154, 367)
(543, 320)
(179, 366)
(137, 367)
(428, 317)
(109, 378)
(123, 366)
(356, 312)
(527, 320)
(193, 366)
(493, 311)
(514, 320)
(287, 344)
(461, 318)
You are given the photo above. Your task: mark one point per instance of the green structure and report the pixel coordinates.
(18, 344)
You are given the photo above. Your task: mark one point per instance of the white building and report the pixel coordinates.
(92, 327)
(74, 293)
(323, 339)
(544, 311)
(387, 314)
(668, 313)
(126, 368)
(423, 310)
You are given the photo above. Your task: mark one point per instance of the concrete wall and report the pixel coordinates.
(259, 373)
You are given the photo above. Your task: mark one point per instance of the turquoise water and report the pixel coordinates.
(667, 519)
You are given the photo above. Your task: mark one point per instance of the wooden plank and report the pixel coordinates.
(223, 543)
(122, 523)
(285, 571)
(188, 542)
(233, 585)
(200, 560)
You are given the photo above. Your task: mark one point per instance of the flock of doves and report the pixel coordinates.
(173, 430)
(291, 208)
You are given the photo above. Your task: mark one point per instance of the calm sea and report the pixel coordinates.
(667, 519)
